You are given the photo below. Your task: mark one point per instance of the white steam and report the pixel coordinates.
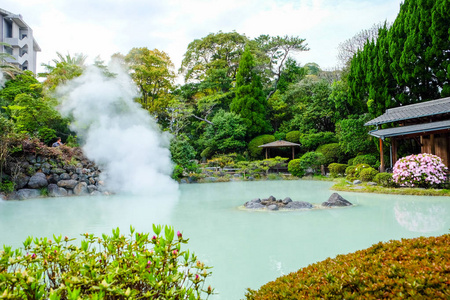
(118, 134)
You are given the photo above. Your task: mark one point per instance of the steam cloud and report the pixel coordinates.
(118, 134)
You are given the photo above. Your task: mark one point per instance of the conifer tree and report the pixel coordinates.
(250, 102)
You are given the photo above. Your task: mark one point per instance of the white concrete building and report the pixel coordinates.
(15, 32)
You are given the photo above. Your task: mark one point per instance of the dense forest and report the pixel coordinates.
(239, 93)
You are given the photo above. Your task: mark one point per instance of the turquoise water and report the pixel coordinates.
(245, 248)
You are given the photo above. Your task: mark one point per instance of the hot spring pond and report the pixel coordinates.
(245, 248)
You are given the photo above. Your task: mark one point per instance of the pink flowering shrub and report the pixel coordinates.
(422, 170)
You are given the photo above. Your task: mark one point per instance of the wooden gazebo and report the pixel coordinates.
(279, 144)
(427, 122)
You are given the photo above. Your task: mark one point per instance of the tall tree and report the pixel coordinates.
(277, 49)
(250, 102)
(64, 69)
(152, 71)
(216, 51)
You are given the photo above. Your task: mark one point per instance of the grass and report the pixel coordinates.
(343, 186)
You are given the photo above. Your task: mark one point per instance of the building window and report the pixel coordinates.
(8, 28)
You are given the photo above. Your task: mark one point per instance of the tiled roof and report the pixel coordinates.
(279, 143)
(424, 109)
(405, 130)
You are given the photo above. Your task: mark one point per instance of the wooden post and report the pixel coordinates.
(433, 149)
(293, 152)
(394, 151)
(381, 156)
(266, 152)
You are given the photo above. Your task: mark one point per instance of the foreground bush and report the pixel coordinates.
(111, 267)
(422, 170)
(309, 160)
(408, 269)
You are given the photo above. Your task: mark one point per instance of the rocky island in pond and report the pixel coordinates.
(272, 203)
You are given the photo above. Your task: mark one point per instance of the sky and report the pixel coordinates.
(104, 27)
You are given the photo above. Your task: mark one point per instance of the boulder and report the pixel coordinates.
(57, 171)
(56, 191)
(91, 188)
(80, 189)
(286, 200)
(95, 193)
(272, 207)
(256, 200)
(37, 181)
(298, 205)
(64, 176)
(67, 184)
(2, 196)
(54, 178)
(210, 179)
(357, 181)
(254, 205)
(336, 200)
(21, 181)
(23, 194)
(183, 181)
(371, 183)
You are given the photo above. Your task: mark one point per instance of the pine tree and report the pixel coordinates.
(250, 102)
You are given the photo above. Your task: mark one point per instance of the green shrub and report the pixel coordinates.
(406, 269)
(350, 161)
(332, 152)
(368, 159)
(359, 168)
(310, 141)
(313, 160)
(337, 169)
(111, 267)
(295, 169)
(293, 136)
(368, 174)
(207, 152)
(7, 186)
(177, 172)
(279, 135)
(384, 179)
(253, 148)
(350, 172)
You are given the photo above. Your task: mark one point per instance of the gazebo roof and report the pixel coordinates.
(412, 111)
(279, 143)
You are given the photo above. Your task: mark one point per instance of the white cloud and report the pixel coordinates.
(105, 27)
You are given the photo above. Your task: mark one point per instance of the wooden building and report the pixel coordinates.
(428, 123)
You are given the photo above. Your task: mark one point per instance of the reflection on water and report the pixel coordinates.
(421, 216)
(245, 248)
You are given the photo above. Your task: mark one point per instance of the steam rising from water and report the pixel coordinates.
(117, 134)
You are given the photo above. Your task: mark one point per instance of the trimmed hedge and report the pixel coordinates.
(295, 168)
(293, 136)
(368, 174)
(407, 269)
(253, 148)
(332, 152)
(384, 179)
(337, 169)
(368, 159)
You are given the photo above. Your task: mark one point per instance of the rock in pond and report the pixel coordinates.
(336, 200)
(298, 205)
(56, 191)
(25, 194)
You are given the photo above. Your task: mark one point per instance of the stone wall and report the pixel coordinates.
(39, 176)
